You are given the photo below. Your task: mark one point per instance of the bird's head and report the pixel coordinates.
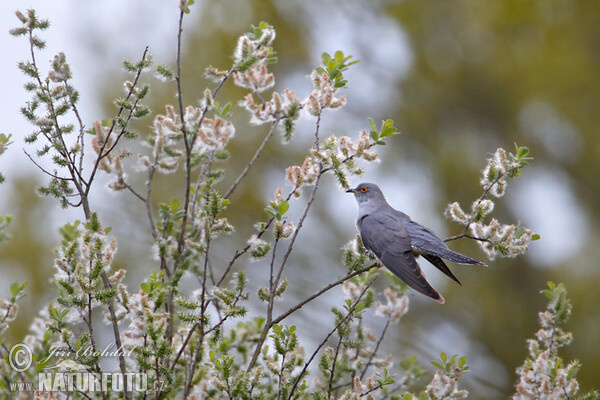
(366, 191)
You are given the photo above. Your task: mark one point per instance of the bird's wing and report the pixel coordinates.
(425, 241)
(387, 237)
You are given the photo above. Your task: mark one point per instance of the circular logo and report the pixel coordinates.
(20, 357)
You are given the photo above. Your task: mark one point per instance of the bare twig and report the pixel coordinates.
(320, 292)
(235, 184)
(62, 178)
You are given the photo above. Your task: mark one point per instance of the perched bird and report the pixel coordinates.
(396, 240)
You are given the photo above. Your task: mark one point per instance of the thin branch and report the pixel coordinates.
(203, 306)
(337, 351)
(115, 325)
(465, 235)
(235, 184)
(371, 390)
(374, 353)
(320, 292)
(183, 346)
(90, 326)
(281, 376)
(302, 218)
(268, 322)
(62, 178)
(80, 139)
(133, 191)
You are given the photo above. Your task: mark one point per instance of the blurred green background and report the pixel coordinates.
(459, 78)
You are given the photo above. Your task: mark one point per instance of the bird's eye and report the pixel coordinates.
(363, 189)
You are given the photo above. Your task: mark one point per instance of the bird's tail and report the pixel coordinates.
(459, 258)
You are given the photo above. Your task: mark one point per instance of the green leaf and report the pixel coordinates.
(372, 124)
(174, 205)
(359, 307)
(443, 357)
(437, 364)
(283, 207)
(535, 236)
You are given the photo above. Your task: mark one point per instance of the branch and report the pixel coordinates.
(465, 235)
(252, 161)
(320, 292)
(337, 351)
(80, 122)
(268, 323)
(116, 333)
(387, 324)
(62, 178)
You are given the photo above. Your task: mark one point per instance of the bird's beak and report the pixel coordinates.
(351, 191)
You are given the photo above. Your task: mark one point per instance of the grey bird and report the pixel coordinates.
(396, 240)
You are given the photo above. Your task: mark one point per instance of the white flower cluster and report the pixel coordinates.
(73, 261)
(353, 290)
(360, 388)
(323, 96)
(500, 166)
(256, 52)
(38, 330)
(444, 386)
(8, 313)
(495, 238)
(258, 247)
(396, 307)
(257, 78)
(306, 174)
(340, 155)
(501, 239)
(283, 230)
(361, 150)
(278, 107)
(61, 71)
(544, 381)
(248, 46)
(214, 134)
(479, 210)
(141, 313)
